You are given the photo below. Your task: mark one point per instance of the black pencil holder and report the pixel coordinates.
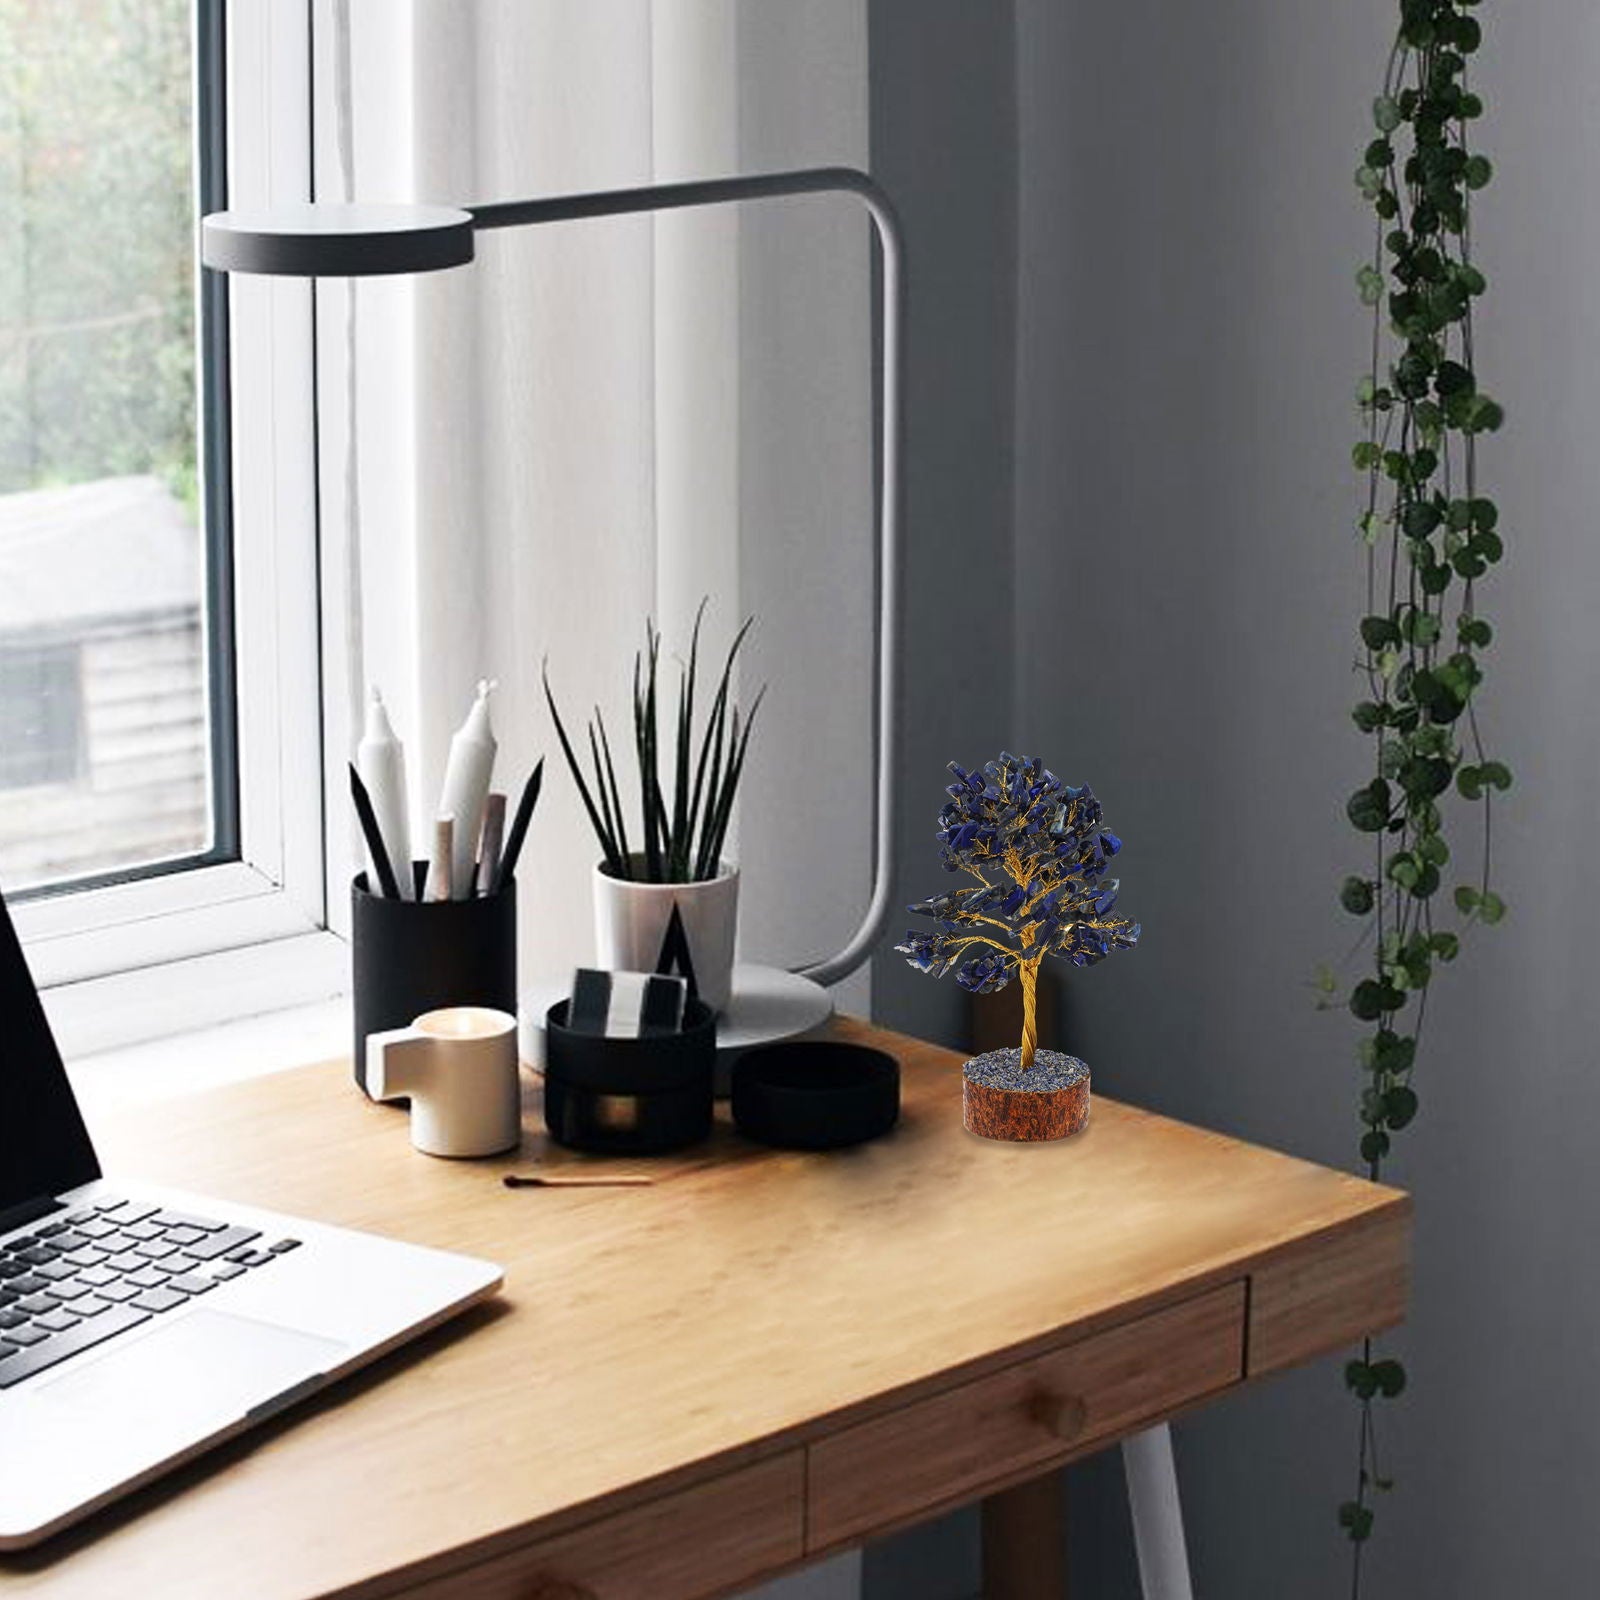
(637, 1097)
(411, 956)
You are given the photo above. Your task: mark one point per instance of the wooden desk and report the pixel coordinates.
(759, 1359)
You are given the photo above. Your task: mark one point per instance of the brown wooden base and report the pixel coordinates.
(1049, 1101)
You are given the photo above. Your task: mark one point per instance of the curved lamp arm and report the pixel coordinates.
(331, 240)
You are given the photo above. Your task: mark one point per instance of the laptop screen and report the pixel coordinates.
(44, 1146)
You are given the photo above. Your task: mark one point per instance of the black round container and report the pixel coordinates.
(411, 956)
(629, 1096)
(815, 1094)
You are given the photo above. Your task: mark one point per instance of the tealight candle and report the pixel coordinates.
(459, 1067)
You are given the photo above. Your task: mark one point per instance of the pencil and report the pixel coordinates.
(519, 828)
(381, 865)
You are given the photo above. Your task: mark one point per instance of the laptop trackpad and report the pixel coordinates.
(194, 1376)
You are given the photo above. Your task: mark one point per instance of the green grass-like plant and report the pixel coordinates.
(681, 842)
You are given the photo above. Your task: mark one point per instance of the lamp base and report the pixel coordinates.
(1048, 1101)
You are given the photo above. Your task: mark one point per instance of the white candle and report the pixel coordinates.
(466, 788)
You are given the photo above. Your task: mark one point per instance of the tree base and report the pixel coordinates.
(1048, 1101)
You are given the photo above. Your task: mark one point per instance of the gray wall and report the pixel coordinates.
(944, 133)
(1188, 343)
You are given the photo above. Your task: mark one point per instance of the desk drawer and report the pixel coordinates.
(953, 1446)
(704, 1541)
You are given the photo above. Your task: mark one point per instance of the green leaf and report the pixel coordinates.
(1479, 171)
(1452, 379)
(1469, 783)
(1378, 632)
(1418, 30)
(1403, 870)
(1433, 849)
(1445, 945)
(1366, 455)
(1420, 518)
(1399, 1106)
(1369, 716)
(1393, 1052)
(1374, 1145)
(1485, 513)
(1386, 114)
(1423, 779)
(1356, 896)
(1491, 908)
(1360, 1379)
(1390, 1378)
(1430, 740)
(1467, 899)
(1496, 774)
(1369, 282)
(1354, 1518)
(1425, 629)
(1366, 1000)
(1484, 415)
(1474, 631)
(1412, 373)
(1368, 808)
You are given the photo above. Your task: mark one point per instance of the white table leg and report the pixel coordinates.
(1157, 1515)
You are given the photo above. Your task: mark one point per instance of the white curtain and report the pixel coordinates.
(604, 421)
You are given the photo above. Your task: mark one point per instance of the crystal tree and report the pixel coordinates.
(1039, 853)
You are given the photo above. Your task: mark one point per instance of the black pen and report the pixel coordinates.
(369, 827)
(519, 828)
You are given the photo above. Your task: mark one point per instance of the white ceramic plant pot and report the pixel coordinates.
(631, 920)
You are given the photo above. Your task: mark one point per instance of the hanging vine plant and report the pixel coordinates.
(1430, 536)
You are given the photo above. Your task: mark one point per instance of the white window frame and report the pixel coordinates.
(191, 947)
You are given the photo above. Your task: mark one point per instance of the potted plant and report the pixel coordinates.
(1038, 851)
(665, 898)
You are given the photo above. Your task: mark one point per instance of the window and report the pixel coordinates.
(161, 769)
(114, 745)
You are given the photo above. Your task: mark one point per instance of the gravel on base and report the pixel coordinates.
(1002, 1069)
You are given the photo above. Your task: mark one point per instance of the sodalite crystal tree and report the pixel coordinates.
(1039, 852)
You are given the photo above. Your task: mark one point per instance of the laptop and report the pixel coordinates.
(139, 1326)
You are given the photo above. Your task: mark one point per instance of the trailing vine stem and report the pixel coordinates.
(1430, 536)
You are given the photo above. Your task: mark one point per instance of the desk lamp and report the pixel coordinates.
(312, 240)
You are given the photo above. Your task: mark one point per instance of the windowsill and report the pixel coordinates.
(204, 1058)
(163, 1001)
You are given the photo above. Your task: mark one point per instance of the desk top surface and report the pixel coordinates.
(647, 1337)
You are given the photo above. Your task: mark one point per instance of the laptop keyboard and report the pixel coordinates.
(86, 1277)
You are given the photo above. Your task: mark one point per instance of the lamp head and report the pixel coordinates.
(303, 240)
